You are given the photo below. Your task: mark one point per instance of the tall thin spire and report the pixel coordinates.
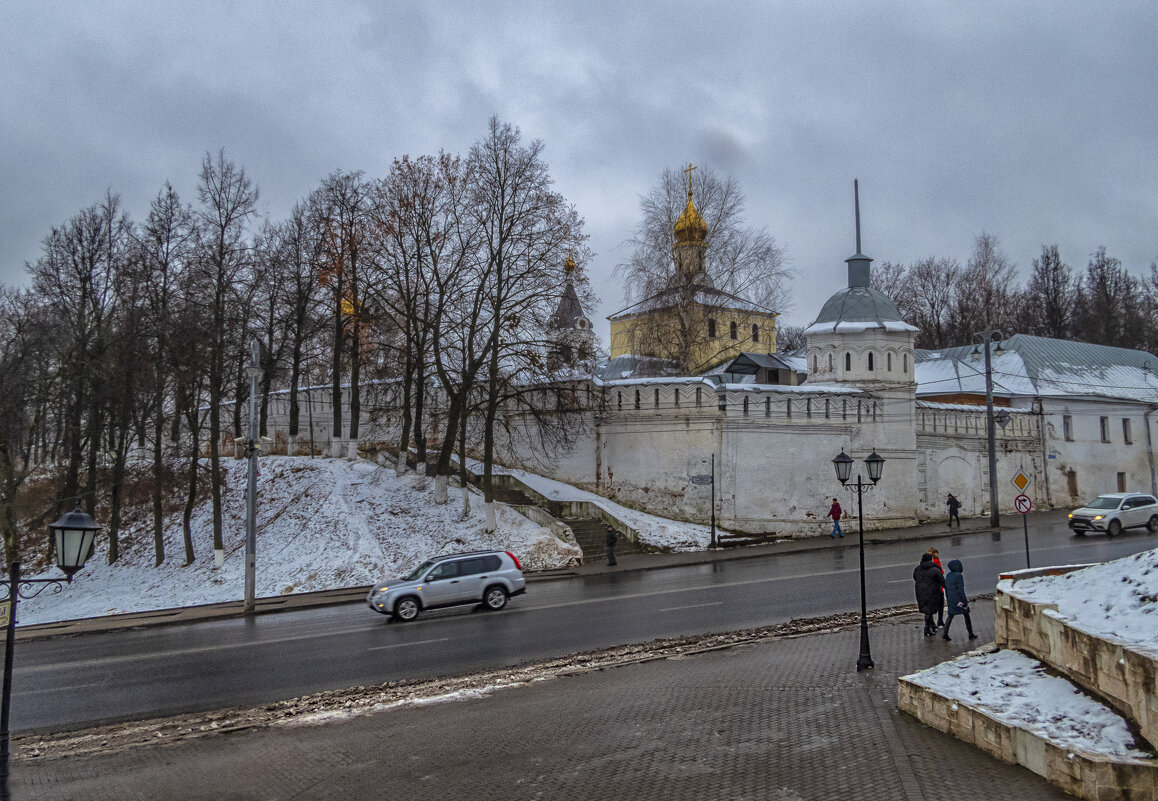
(858, 263)
(856, 202)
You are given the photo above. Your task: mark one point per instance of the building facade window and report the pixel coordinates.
(870, 361)
(906, 365)
(814, 362)
(657, 397)
(889, 362)
(788, 408)
(712, 328)
(767, 407)
(1068, 427)
(619, 401)
(1105, 429)
(637, 399)
(1126, 438)
(676, 397)
(755, 333)
(745, 406)
(827, 409)
(830, 361)
(848, 361)
(732, 331)
(699, 398)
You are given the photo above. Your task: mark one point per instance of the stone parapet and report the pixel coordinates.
(1114, 671)
(1085, 775)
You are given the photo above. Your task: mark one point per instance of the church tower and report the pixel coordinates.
(691, 244)
(571, 335)
(859, 337)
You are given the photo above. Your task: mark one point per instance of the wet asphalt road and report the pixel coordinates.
(74, 682)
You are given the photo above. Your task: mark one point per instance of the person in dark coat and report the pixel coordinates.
(928, 582)
(612, 537)
(955, 598)
(954, 505)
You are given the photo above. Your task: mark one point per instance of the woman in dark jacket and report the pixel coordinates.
(929, 583)
(955, 598)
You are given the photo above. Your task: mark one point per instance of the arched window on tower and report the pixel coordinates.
(755, 333)
(906, 370)
(870, 362)
(814, 362)
(889, 362)
(732, 332)
(848, 361)
(712, 327)
(830, 362)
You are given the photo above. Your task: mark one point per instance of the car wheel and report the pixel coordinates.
(407, 608)
(1114, 529)
(495, 598)
(1152, 526)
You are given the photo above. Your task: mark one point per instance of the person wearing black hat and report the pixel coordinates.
(929, 584)
(953, 505)
(612, 537)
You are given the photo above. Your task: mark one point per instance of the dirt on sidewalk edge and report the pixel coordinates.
(335, 705)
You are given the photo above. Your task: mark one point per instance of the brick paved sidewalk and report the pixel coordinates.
(783, 719)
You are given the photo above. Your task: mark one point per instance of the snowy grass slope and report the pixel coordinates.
(322, 524)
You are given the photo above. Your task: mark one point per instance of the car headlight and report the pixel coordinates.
(1071, 514)
(1097, 517)
(383, 589)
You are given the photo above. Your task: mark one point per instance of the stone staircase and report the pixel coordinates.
(591, 534)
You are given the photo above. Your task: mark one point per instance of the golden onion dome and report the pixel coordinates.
(690, 227)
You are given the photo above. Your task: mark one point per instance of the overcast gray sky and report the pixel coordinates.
(1035, 122)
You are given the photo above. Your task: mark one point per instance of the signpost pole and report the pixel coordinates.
(1025, 528)
(713, 545)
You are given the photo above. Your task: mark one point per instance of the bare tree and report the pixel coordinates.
(984, 292)
(1048, 307)
(228, 201)
(526, 230)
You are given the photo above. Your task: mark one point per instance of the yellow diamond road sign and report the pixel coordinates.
(1021, 481)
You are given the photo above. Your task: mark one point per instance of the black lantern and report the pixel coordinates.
(73, 536)
(843, 465)
(875, 463)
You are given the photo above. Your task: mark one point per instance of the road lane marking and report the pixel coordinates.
(405, 644)
(692, 606)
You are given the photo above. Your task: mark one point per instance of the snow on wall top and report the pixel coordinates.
(1116, 600)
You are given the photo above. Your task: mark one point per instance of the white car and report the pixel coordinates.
(1113, 512)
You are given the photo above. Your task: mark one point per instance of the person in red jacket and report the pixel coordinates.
(937, 561)
(835, 512)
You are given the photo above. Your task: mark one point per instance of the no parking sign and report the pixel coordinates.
(1022, 503)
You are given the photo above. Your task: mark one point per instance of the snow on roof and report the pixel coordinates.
(1114, 600)
(705, 295)
(1041, 367)
(857, 326)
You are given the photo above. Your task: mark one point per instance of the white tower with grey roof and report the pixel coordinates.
(859, 337)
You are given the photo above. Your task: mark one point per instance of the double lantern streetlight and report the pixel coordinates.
(72, 539)
(875, 464)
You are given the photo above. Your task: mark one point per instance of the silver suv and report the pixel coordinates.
(482, 577)
(1115, 511)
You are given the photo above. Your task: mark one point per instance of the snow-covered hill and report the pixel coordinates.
(322, 524)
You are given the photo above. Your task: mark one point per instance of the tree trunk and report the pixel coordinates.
(158, 474)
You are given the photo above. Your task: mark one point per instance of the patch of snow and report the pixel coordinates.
(321, 524)
(1016, 690)
(656, 531)
(1116, 600)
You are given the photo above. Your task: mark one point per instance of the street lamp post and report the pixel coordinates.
(875, 464)
(72, 537)
(985, 338)
(254, 370)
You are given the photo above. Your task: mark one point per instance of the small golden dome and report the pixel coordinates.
(690, 227)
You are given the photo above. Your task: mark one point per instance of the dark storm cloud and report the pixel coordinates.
(1034, 122)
